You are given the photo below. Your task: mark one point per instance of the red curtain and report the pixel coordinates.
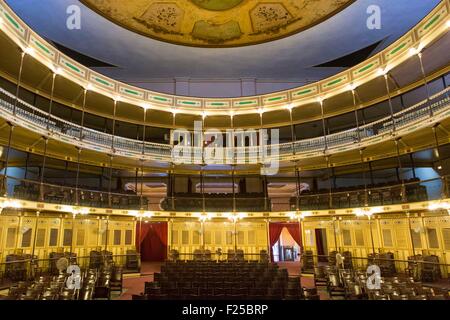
(152, 241)
(275, 230)
(294, 230)
(319, 244)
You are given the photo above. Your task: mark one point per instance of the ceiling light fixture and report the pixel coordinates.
(11, 204)
(146, 106)
(413, 51)
(439, 205)
(148, 214)
(133, 213)
(381, 72)
(29, 51)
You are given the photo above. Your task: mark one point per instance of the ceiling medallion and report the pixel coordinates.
(217, 5)
(217, 23)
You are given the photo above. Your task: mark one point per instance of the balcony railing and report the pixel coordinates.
(373, 196)
(99, 140)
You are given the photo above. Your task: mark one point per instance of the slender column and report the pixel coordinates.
(36, 226)
(42, 193)
(235, 235)
(5, 178)
(323, 125)
(371, 234)
(139, 235)
(141, 194)
(269, 251)
(142, 161)
(293, 138)
(111, 157)
(410, 233)
(11, 126)
(402, 180)
(233, 187)
(83, 113)
(19, 80)
(298, 187)
(356, 115)
(19, 226)
(27, 163)
(73, 231)
(202, 224)
(330, 187)
(427, 87)
(81, 137)
(335, 235)
(77, 194)
(51, 101)
(372, 181)
(172, 185)
(171, 234)
(366, 194)
(444, 191)
(427, 245)
(266, 194)
(391, 108)
(411, 157)
(107, 233)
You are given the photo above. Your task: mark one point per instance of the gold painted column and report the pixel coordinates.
(269, 251)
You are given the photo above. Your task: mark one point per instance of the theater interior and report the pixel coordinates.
(224, 150)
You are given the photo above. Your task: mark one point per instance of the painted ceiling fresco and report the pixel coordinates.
(217, 23)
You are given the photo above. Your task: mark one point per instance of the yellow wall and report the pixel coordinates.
(18, 231)
(185, 236)
(430, 231)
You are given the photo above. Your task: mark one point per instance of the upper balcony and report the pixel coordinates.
(424, 114)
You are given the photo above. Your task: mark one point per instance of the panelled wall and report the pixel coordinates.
(62, 233)
(428, 233)
(186, 236)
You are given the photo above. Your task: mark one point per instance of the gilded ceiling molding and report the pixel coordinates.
(217, 23)
(425, 32)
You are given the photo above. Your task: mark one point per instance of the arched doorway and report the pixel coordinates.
(151, 241)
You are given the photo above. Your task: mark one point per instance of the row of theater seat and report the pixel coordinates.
(354, 284)
(204, 280)
(20, 267)
(95, 284)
